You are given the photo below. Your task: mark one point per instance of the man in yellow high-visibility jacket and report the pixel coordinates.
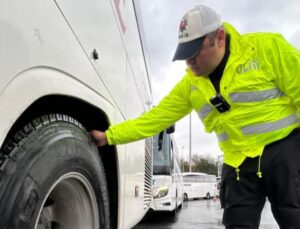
(246, 89)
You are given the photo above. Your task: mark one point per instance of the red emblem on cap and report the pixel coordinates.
(182, 28)
(183, 25)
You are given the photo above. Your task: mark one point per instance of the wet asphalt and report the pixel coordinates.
(203, 214)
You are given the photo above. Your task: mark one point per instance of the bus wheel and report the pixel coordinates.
(185, 197)
(207, 195)
(173, 213)
(51, 176)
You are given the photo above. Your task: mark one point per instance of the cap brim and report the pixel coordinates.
(187, 50)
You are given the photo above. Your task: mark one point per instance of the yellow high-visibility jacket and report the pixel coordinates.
(261, 82)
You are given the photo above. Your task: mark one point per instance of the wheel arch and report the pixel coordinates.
(90, 117)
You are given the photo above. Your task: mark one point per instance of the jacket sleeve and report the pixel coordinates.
(171, 108)
(287, 69)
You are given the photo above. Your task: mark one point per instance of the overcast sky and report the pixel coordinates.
(160, 24)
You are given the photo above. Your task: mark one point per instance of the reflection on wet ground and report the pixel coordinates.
(206, 214)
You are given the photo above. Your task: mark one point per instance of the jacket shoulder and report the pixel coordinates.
(265, 39)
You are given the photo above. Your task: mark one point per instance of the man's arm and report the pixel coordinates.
(172, 108)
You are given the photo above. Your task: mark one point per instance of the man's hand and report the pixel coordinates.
(99, 137)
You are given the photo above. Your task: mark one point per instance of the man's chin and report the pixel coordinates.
(197, 73)
(194, 71)
(200, 73)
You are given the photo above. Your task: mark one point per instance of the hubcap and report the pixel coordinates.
(69, 204)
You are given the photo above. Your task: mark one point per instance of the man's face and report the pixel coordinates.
(205, 61)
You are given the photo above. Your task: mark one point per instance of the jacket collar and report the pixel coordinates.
(240, 48)
(239, 44)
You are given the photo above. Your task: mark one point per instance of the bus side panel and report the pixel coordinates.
(134, 175)
(38, 48)
(137, 86)
(96, 28)
(110, 28)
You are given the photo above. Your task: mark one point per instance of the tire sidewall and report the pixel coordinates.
(40, 160)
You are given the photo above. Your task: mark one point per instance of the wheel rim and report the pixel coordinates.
(70, 203)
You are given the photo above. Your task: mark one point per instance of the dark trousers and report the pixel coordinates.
(243, 200)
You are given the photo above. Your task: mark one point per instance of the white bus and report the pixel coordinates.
(68, 67)
(199, 185)
(167, 177)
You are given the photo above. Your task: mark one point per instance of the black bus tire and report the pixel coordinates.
(207, 196)
(51, 176)
(185, 198)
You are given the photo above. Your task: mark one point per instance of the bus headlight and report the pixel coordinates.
(160, 192)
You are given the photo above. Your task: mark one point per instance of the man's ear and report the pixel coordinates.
(221, 37)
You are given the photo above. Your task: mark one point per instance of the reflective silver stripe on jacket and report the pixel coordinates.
(222, 137)
(270, 126)
(204, 111)
(255, 96)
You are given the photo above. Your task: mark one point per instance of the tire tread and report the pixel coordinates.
(7, 152)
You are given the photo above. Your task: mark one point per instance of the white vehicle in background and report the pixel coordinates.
(199, 185)
(68, 67)
(167, 179)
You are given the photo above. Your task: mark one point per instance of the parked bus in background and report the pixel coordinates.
(167, 178)
(199, 185)
(68, 67)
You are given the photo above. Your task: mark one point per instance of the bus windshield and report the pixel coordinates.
(162, 162)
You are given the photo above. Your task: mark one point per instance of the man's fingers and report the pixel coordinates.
(93, 133)
(99, 137)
